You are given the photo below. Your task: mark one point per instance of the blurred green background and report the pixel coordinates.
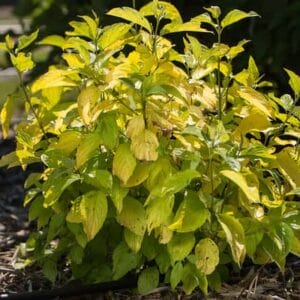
(275, 36)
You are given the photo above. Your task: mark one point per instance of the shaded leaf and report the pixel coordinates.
(148, 280)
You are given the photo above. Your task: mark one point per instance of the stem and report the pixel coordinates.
(155, 36)
(27, 99)
(133, 4)
(219, 32)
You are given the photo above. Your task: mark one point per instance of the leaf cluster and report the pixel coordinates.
(155, 161)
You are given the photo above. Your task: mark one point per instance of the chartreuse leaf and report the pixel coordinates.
(294, 81)
(145, 145)
(236, 15)
(133, 240)
(23, 62)
(91, 212)
(131, 15)
(179, 27)
(108, 130)
(169, 10)
(158, 211)
(112, 34)
(26, 40)
(148, 280)
(87, 148)
(124, 163)
(133, 216)
(93, 26)
(53, 40)
(6, 114)
(140, 174)
(123, 261)
(190, 215)
(68, 141)
(251, 192)
(235, 236)
(176, 274)
(289, 167)
(207, 255)
(215, 11)
(135, 126)
(180, 246)
(87, 101)
(3, 47)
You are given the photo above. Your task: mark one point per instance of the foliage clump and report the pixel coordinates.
(155, 161)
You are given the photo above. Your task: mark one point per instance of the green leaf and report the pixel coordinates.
(131, 15)
(133, 216)
(123, 261)
(292, 218)
(236, 15)
(180, 246)
(294, 81)
(159, 211)
(251, 192)
(90, 210)
(55, 225)
(87, 148)
(176, 274)
(101, 179)
(23, 62)
(6, 114)
(53, 40)
(108, 130)
(207, 256)
(175, 183)
(133, 240)
(148, 280)
(56, 186)
(235, 236)
(124, 163)
(118, 194)
(50, 269)
(190, 215)
(144, 145)
(68, 141)
(163, 259)
(78, 233)
(25, 40)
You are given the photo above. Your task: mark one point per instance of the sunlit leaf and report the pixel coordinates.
(236, 15)
(6, 114)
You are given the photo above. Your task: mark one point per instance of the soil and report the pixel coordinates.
(254, 282)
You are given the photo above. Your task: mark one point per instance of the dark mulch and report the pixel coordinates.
(253, 283)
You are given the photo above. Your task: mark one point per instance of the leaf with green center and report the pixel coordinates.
(133, 216)
(236, 15)
(144, 145)
(124, 163)
(131, 15)
(251, 192)
(100, 179)
(68, 141)
(235, 236)
(182, 27)
(190, 215)
(148, 280)
(180, 246)
(118, 194)
(207, 256)
(123, 261)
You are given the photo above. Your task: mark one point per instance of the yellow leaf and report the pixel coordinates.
(144, 146)
(140, 174)
(6, 114)
(54, 78)
(68, 141)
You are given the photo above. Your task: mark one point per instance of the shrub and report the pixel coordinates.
(155, 162)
